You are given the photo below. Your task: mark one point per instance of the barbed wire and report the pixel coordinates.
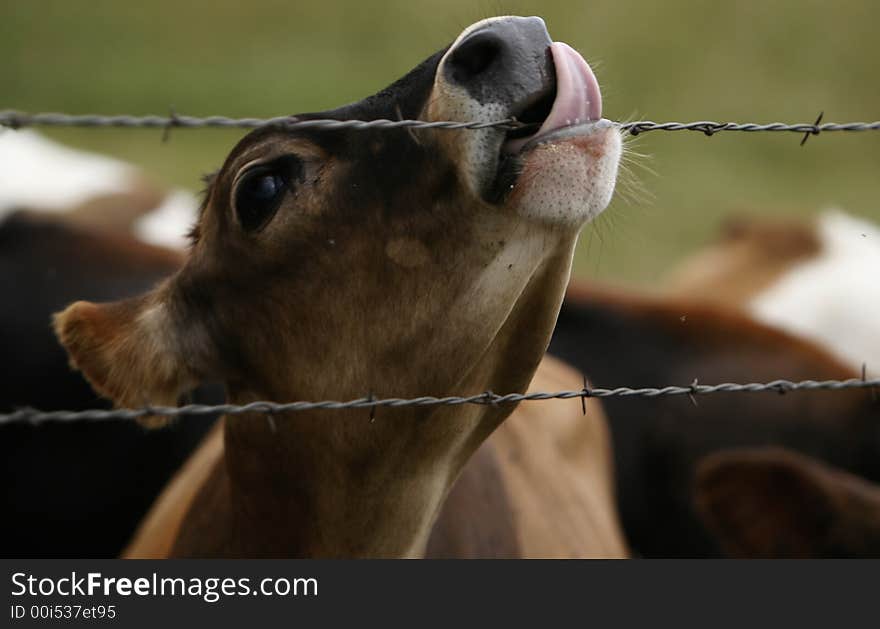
(35, 416)
(17, 120)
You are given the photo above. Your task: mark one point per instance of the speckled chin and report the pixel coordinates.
(568, 177)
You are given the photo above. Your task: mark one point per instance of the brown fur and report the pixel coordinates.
(477, 518)
(772, 502)
(94, 248)
(541, 486)
(118, 211)
(121, 347)
(749, 256)
(124, 350)
(557, 468)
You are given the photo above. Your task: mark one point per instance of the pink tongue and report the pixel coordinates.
(577, 92)
(578, 99)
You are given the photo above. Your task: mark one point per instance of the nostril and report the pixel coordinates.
(474, 57)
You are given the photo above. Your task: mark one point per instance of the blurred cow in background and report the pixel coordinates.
(90, 190)
(622, 338)
(816, 279)
(74, 224)
(771, 502)
(772, 299)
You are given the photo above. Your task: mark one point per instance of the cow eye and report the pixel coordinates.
(259, 192)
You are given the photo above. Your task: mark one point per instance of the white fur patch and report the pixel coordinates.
(833, 299)
(168, 224)
(36, 172)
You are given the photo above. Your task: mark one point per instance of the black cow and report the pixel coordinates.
(73, 489)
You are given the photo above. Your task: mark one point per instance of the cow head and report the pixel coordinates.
(335, 263)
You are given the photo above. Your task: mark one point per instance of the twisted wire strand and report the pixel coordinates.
(34, 416)
(17, 120)
(709, 127)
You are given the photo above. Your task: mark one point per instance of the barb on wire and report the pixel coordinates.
(711, 128)
(34, 416)
(815, 130)
(17, 120)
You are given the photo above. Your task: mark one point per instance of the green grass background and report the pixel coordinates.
(673, 60)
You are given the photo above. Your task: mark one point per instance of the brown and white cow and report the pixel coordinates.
(622, 338)
(90, 190)
(816, 279)
(330, 264)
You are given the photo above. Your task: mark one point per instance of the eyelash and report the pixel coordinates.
(253, 209)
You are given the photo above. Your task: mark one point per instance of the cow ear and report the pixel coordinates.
(764, 502)
(127, 350)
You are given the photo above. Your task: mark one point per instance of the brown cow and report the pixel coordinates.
(772, 502)
(329, 264)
